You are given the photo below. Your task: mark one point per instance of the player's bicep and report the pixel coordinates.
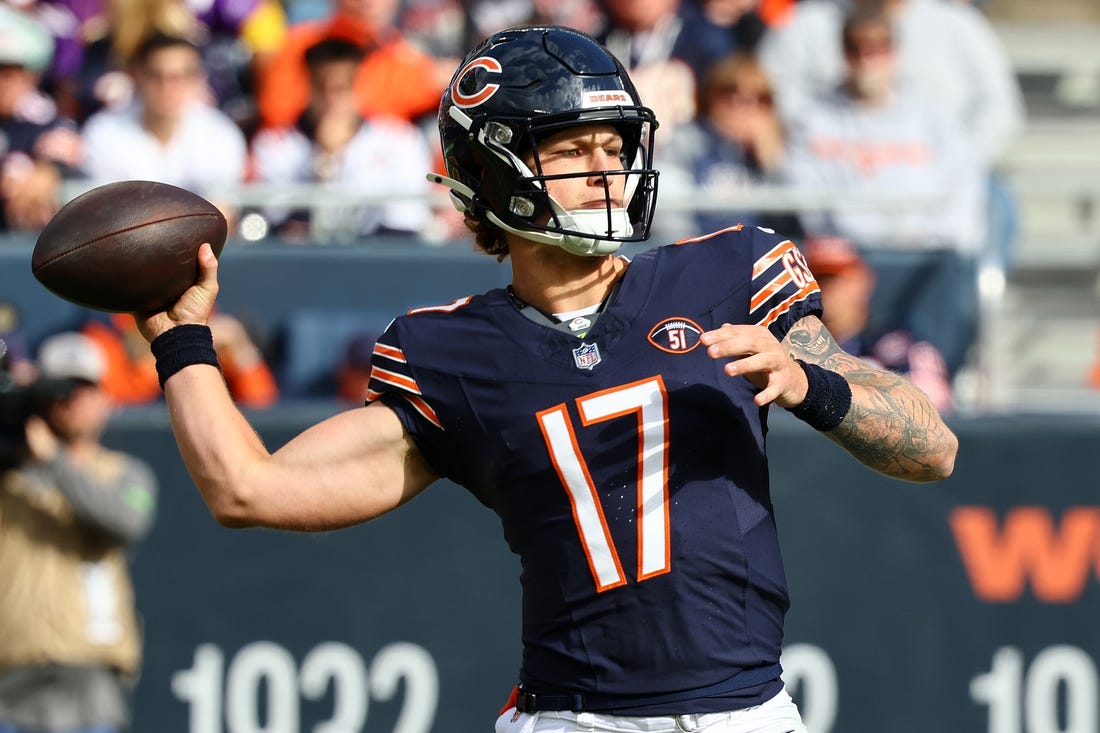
(348, 469)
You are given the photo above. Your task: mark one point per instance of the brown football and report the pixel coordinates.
(124, 247)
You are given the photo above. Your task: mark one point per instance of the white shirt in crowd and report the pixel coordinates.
(385, 158)
(905, 148)
(948, 53)
(206, 151)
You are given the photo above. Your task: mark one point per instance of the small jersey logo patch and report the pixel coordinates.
(586, 356)
(675, 335)
(580, 323)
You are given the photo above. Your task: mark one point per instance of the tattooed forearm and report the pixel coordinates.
(810, 341)
(892, 426)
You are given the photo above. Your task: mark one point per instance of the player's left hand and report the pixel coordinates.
(761, 358)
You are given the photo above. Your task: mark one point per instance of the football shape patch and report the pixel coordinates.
(675, 335)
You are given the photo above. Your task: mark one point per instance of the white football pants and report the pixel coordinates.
(777, 715)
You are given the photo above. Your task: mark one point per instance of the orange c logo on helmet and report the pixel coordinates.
(481, 95)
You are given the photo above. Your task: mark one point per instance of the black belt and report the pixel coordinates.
(528, 701)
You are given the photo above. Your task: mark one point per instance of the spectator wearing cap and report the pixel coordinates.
(38, 148)
(70, 646)
(847, 284)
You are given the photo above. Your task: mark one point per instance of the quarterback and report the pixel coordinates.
(611, 411)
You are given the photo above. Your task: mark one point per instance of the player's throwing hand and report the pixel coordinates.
(194, 306)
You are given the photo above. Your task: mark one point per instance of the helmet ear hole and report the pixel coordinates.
(499, 133)
(521, 206)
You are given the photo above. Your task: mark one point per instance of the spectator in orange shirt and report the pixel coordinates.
(394, 79)
(130, 375)
(246, 373)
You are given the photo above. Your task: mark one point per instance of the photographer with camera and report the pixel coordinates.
(70, 645)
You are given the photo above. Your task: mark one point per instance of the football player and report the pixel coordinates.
(612, 412)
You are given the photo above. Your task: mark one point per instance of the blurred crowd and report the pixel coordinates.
(895, 113)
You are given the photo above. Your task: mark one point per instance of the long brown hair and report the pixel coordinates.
(488, 237)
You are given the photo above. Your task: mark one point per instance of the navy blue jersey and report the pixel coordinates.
(627, 469)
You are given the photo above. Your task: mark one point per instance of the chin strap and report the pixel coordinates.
(582, 221)
(577, 244)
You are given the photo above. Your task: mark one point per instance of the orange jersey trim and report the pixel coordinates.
(389, 352)
(763, 294)
(424, 409)
(394, 379)
(703, 237)
(447, 308)
(771, 257)
(783, 307)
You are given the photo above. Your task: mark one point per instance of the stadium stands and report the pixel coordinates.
(1040, 333)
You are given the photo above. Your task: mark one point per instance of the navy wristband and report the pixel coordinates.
(828, 398)
(182, 346)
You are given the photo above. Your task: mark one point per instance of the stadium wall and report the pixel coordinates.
(968, 605)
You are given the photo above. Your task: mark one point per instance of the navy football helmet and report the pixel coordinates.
(519, 86)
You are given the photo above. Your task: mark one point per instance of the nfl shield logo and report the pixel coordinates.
(586, 356)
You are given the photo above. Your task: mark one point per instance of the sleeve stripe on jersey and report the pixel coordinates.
(398, 379)
(449, 307)
(424, 409)
(418, 404)
(763, 294)
(389, 352)
(402, 382)
(771, 257)
(783, 307)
